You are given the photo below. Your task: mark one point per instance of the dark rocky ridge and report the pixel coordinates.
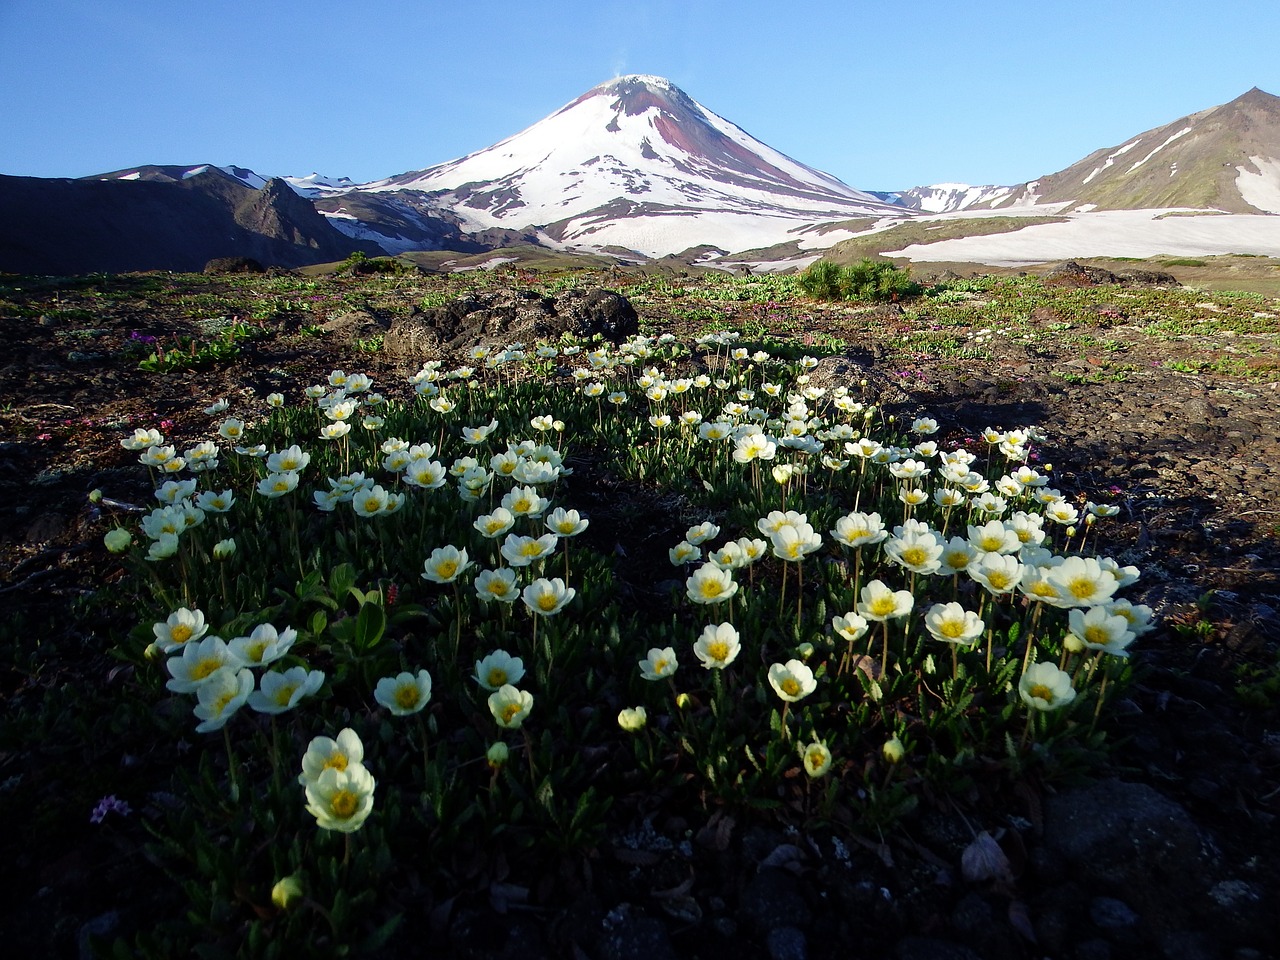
(64, 227)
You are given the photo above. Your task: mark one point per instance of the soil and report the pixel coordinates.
(1192, 457)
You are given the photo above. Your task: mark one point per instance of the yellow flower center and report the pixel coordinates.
(494, 526)
(523, 505)
(1040, 692)
(498, 588)
(915, 556)
(815, 759)
(951, 628)
(1096, 634)
(446, 568)
(281, 486)
(510, 712)
(790, 686)
(221, 703)
(285, 694)
(204, 668)
(547, 602)
(991, 544)
(531, 549)
(180, 634)
(998, 579)
(343, 804)
(407, 696)
(717, 649)
(660, 666)
(883, 606)
(338, 762)
(711, 588)
(1082, 588)
(497, 676)
(372, 505)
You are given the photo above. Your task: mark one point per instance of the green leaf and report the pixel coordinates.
(371, 624)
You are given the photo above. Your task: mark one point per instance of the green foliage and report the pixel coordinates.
(191, 353)
(865, 280)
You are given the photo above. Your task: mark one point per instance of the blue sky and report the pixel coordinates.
(885, 95)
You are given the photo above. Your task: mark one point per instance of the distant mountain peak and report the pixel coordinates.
(634, 162)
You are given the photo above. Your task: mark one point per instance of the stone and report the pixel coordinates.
(787, 943)
(1127, 838)
(773, 899)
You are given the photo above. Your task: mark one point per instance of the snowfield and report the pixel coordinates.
(1111, 233)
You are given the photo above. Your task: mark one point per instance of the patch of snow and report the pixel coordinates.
(491, 264)
(1261, 189)
(1181, 133)
(1173, 168)
(315, 185)
(247, 177)
(1111, 158)
(195, 172)
(1110, 233)
(136, 175)
(1086, 207)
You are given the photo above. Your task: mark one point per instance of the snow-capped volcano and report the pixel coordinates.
(632, 163)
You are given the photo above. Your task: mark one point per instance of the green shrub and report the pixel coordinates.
(865, 280)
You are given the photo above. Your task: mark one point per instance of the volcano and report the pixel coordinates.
(635, 163)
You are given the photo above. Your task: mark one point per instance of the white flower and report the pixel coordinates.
(226, 691)
(510, 706)
(659, 664)
(1045, 687)
(717, 647)
(710, 584)
(951, 623)
(792, 681)
(280, 691)
(405, 693)
(498, 669)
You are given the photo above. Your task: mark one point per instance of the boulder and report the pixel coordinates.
(499, 318)
(222, 265)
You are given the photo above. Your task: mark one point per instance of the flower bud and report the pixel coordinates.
(497, 755)
(153, 652)
(893, 750)
(95, 495)
(224, 549)
(682, 701)
(805, 650)
(286, 892)
(633, 719)
(1072, 644)
(117, 540)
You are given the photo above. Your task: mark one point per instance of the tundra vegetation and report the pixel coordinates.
(451, 627)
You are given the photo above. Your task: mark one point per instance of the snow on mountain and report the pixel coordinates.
(946, 197)
(1223, 158)
(315, 185)
(637, 163)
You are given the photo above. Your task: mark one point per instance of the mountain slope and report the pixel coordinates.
(1224, 158)
(634, 163)
(160, 218)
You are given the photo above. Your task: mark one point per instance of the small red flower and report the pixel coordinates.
(393, 592)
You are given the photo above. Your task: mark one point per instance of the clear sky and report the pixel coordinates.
(884, 94)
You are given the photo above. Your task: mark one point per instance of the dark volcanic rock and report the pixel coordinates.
(220, 265)
(1079, 275)
(1127, 840)
(496, 319)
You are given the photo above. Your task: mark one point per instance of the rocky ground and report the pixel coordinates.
(1171, 851)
